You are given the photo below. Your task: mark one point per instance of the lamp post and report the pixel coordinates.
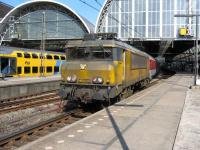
(43, 44)
(196, 49)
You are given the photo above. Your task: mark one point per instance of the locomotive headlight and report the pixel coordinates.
(97, 80)
(72, 79)
(100, 80)
(69, 78)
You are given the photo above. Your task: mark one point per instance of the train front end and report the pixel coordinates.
(89, 73)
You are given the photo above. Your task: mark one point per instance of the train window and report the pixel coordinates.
(19, 70)
(19, 54)
(98, 53)
(34, 69)
(56, 57)
(27, 70)
(49, 69)
(56, 69)
(62, 57)
(34, 55)
(117, 54)
(93, 53)
(138, 62)
(27, 55)
(49, 57)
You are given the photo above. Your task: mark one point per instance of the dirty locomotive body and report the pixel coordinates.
(103, 69)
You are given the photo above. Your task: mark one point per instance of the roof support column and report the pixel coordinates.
(161, 21)
(175, 19)
(120, 18)
(147, 19)
(133, 18)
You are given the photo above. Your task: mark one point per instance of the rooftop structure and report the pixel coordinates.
(29, 22)
(150, 23)
(4, 9)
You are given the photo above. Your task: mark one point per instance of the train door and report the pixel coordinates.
(7, 66)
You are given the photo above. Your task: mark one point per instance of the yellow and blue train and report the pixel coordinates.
(20, 62)
(100, 69)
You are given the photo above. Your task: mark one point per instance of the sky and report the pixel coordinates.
(79, 7)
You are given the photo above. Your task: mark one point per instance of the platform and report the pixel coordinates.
(14, 87)
(188, 137)
(148, 120)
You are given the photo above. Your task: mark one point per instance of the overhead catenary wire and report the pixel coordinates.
(123, 25)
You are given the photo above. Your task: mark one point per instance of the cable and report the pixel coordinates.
(123, 25)
(89, 5)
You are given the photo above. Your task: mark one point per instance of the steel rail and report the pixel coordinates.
(9, 140)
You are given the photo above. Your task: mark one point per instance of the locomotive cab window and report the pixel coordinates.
(90, 53)
(117, 54)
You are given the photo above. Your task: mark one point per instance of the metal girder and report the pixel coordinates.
(103, 14)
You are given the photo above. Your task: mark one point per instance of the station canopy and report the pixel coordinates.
(151, 24)
(30, 21)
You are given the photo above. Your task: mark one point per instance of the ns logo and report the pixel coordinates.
(83, 66)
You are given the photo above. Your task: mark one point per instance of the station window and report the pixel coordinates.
(27, 55)
(27, 70)
(49, 57)
(19, 54)
(56, 69)
(34, 55)
(34, 69)
(49, 69)
(56, 57)
(62, 57)
(19, 70)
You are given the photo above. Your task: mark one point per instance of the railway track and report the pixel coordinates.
(19, 103)
(31, 133)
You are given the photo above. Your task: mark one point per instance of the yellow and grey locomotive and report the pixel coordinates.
(102, 68)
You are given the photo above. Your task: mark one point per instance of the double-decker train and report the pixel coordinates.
(20, 62)
(102, 68)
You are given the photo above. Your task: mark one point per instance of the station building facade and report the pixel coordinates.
(151, 22)
(33, 21)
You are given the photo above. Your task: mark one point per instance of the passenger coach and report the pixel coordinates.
(18, 62)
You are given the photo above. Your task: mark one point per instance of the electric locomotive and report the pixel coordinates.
(101, 67)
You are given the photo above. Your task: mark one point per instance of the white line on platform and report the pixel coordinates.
(60, 142)
(71, 135)
(94, 122)
(48, 148)
(87, 126)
